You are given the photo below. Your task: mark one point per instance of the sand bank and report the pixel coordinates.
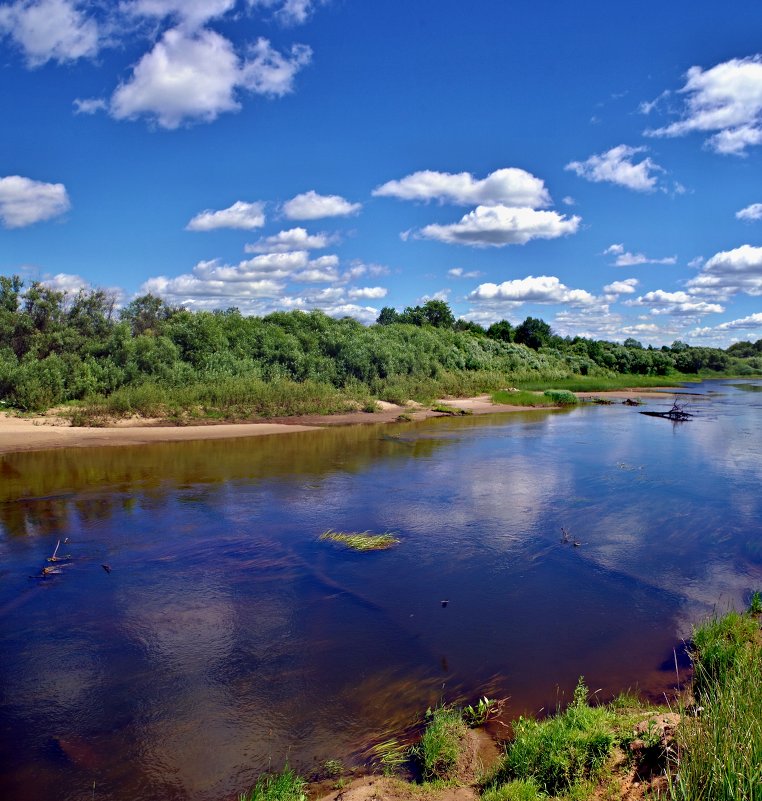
(50, 431)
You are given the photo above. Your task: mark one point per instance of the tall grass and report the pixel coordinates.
(720, 749)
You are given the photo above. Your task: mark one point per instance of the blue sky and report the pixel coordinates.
(597, 165)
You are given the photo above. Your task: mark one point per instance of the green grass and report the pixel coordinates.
(521, 398)
(361, 540)
(720, 750)
(718, 644)
(453, 411)
(441, 745)
(582, 383)
(562, 753)
(562, 397)
(517, 790)
(755, 604)
(284, 786)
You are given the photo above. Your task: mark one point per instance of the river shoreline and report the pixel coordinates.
(51, 431)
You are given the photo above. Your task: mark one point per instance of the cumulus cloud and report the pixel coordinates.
(725, 99)
(729, 272)
(750, 213)
(626, 259)
(312, 206)
(89, 105)
(196, 76)
(675, 304)
(625, 287)
(540, 289)
(24, 201)
(509, 186)
(293, 239)
(50, 30)
(616, 166)
(241, 215)
(66, 282)
(495, 226)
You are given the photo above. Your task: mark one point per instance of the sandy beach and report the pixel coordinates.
(44, 432)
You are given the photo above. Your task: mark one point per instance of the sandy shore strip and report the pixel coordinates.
(45, 432)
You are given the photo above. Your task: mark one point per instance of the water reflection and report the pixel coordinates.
(227, 637)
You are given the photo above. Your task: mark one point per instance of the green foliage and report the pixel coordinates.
(720, 752)
(718, 644)
(521, 398)
(755, 604)
(478, 714)
(283, 786)
(563, 751)
(562, 397)
(441, 746)
(57, 347)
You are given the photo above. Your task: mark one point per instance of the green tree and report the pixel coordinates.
(533, 332)
(501, 330)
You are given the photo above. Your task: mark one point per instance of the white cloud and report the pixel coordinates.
(66, 282)
(727, 100)
(24, 201)
(293, 239)
(89, 105)
(442, 294)
(495, 226)
(626, 259)
(509, 186)
(675, 304)
(568, 201)
(269, 72)
(625, 287)
(289, 12)
(540, 289)
(616, 166)
(696, 262)
(750, 213)
(729, 272)
(459, 272)
(192, 76)
(241, 215)
(191, 12)
(312, 206)
(369, 292)
(50, 30)
(751, 323)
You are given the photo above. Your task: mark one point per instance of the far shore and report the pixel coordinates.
(48, 431)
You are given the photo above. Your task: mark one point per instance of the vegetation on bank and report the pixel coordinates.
(710, 751)
(150, 358)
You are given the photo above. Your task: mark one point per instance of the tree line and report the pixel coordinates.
(57, 346)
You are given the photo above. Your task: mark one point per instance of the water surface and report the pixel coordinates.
(227, 638)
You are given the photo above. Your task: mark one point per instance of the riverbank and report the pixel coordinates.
(52, 430)
(704, 742)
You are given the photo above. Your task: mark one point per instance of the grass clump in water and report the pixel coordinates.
(558, 755)
(284, 786)
(720, 749)
(361, 540)
(440, 748)
(563, 397)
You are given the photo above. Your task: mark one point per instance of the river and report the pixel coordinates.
(223, 636)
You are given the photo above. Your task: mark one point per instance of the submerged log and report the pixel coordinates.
(677, 413)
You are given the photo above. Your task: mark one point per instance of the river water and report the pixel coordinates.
(227, 637)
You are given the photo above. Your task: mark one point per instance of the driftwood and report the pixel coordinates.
(677, 413)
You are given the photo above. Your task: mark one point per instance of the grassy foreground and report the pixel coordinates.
(705, 745)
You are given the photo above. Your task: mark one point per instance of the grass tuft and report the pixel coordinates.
(284, 786)
(361, 540)
(441, 746)
(563, 397)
